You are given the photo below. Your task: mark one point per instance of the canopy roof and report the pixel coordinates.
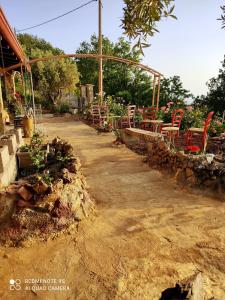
(11, 52)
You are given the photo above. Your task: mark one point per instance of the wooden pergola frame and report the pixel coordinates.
(156, 74)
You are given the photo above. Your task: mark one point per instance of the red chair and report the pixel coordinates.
(201, 133)
(95, 113)
(129, 119)
(173, 131)
(149, 114)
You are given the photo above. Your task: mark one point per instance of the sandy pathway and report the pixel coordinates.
(146, 233)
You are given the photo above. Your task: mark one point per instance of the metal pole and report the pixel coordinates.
(153, 92)
(158, 93)
(33, 102)
(100, 71)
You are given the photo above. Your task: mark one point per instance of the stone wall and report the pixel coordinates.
(203, 171)
(9, 143)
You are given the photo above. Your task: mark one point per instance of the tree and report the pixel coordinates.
(120, 80)
(215, 98)
(51, 78)
(172, 90)
(141, 17)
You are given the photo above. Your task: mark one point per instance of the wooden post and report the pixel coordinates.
(153, 92)
(158, 92)
(2, 123)
(100, 71)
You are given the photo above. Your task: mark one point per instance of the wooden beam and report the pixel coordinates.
(158, 92)
(153, 92)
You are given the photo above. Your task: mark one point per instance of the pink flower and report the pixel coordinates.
(218, 123)
(189, 107)
(163, 108)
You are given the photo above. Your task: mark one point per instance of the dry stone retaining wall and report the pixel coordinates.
(204, 171)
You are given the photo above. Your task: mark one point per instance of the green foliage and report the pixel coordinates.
(47, 178)
(52, 78)
(194, 118)
(215, 98)
(217, 128)
(115, 108)
(25, 148)
(172, 90)
(140, 18)
(37, 153)
(120, 80)
(62, 108)
(222, 18)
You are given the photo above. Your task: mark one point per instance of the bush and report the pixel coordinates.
(62, 108)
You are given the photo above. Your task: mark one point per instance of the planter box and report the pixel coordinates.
(24, 160)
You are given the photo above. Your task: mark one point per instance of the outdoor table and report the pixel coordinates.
(156, 124)
(172, 131)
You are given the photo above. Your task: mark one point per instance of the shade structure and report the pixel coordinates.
(11, 52)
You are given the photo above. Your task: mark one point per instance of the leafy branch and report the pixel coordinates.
(140, 18)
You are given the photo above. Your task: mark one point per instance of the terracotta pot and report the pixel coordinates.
(28, 126)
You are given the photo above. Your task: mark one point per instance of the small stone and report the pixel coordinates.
(25, 193)
(12, 189)
(40, 187)
(189, 172)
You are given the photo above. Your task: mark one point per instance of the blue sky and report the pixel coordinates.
(191, 47)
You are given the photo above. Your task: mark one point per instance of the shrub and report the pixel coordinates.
(62, 108)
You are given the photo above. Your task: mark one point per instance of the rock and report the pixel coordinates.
(25, 193)
(61, 210)
(191, 288)
(189, 172)
(58, 184)
(66, 176)
(40, 187)
(12, 189)
(22, 203)
(72, 167)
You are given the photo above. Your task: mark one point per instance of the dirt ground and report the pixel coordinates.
(145, 235)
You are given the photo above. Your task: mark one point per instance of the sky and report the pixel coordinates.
(191, 47)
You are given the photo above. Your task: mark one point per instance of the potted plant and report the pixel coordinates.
(33, 155)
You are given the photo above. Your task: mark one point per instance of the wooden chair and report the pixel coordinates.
(128, 120)
(201, 133)
(149, 114)
(173, 131)
(95, 113)
(103, 114)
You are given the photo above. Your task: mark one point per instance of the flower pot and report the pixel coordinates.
(24, 160)
(28, 126)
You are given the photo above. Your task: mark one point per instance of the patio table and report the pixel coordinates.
(156, 124)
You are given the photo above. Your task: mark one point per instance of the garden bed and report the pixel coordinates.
(50, 200)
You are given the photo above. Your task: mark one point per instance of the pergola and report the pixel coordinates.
(156, 75)
(11, 54)
(14, 59)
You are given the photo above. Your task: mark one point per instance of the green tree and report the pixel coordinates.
(51, 78)
(215, 98)
(120, 80)
(172, 90)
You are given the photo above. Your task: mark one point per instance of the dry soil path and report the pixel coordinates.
(146, 233)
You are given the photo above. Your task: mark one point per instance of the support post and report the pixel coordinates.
(2, 123)
(153, 92)
(100, 72)
(158, 92)
(33, 102)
